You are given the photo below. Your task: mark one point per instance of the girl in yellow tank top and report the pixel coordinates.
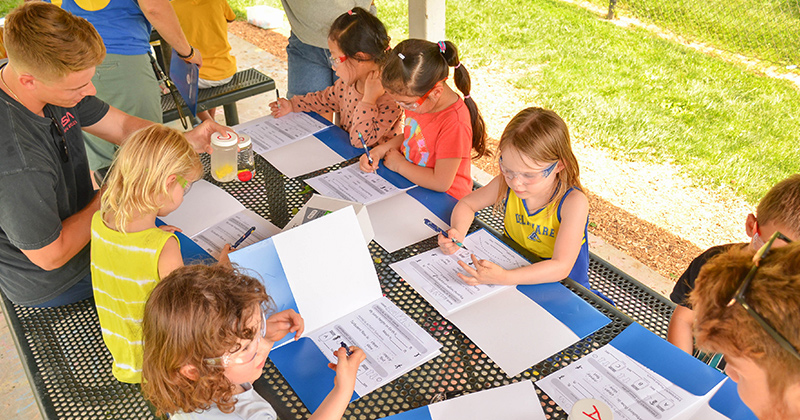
(540, 193)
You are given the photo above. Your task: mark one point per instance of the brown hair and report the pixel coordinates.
(774, 294)
(196, 312)
(782, 205)
(137, 180)
(359, 31)
(541, 135)
(44, 40)
(424, 64)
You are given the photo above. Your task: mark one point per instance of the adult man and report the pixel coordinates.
(747, 309)
(46, 195)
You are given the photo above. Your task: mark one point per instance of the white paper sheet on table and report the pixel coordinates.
(352, 184)
(302, 156)
(631, 390)
(399, 221)
(393, 342)
(211, 217)
(269, 133)
(517, 401)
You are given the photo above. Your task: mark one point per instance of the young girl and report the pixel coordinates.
(358, 43)
(148, 178)
(207, 338)
(546, 210)
(440, 127)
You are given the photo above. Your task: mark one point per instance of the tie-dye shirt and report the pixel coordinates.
(441, 135)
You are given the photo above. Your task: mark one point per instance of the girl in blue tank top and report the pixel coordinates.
(545, 209)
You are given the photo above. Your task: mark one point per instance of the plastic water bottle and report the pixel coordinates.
(247, 161)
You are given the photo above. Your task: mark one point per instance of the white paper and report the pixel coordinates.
(399, 221)
(301, 157)
(268, 133)
(352, 184)
(329, 267)
(204, 205)
(435, 275)
(231, 229)
(631, 390)
(318, 206)
(513, 330)
(393, 343)
(517, 401)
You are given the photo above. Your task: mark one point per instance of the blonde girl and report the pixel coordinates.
(540, 195)
(208, 333)
(358, 43)
(149, 176)
(441, 128)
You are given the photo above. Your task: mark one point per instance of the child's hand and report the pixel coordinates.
(347, 367)
(373, 88)
(224, 260)
(284, 322)
(168, 228)
(280, 107)
(485, 272)
(363, 162)
(446, 245)
(393, 159)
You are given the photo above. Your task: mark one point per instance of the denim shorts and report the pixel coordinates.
(309, 68)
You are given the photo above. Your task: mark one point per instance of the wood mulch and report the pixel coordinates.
(649, 211)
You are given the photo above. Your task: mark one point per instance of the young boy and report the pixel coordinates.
(760, 341)
(779, 210)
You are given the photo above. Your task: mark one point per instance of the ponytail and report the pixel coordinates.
(415, 66)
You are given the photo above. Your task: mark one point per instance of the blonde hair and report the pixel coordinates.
(774, 293)
(542, 136)
(196, 312)
(782, 205)
(137, 181)
(44, 40)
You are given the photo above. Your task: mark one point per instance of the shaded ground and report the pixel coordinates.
(649, 211)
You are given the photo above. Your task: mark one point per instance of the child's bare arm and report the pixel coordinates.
(464, 213)
(336, 402)
(170, 258)
(679, 332)
(567, 247)
(440, 178)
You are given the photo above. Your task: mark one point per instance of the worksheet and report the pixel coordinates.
(392, 342)
(631, 390)
(231, 229)
(434, 274)
(352, 184)
(268, 133)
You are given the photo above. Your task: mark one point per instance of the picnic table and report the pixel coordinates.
(69, 367)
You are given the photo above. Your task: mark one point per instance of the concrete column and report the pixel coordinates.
(426, 19)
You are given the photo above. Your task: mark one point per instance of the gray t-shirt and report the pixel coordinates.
(311, 20)
(41, 184)
(249, 406)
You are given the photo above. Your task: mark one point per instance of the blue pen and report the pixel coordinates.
(347, 349)
(440, 230)
(360, 137)
(246, 234)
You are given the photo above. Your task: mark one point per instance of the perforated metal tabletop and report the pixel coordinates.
(70, 368)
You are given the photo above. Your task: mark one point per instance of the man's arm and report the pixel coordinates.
(162, 16)
(75, 234)
(116, 126)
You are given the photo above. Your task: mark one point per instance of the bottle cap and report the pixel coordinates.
(590, 409)
(229, 138)
(244, 140)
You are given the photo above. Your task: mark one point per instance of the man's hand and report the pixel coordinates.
(200, 136)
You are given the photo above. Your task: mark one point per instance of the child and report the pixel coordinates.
(208, 337)
(205, 23)
(546, 210)
(760, 341)
(779, 210)
(358, 43)
(148, 178)
(440, 127)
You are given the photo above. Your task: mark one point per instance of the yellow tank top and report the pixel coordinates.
(124, 272)
(537, 230)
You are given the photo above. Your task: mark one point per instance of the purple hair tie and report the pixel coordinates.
(466, 96)
(442, 46)
(457, 65)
